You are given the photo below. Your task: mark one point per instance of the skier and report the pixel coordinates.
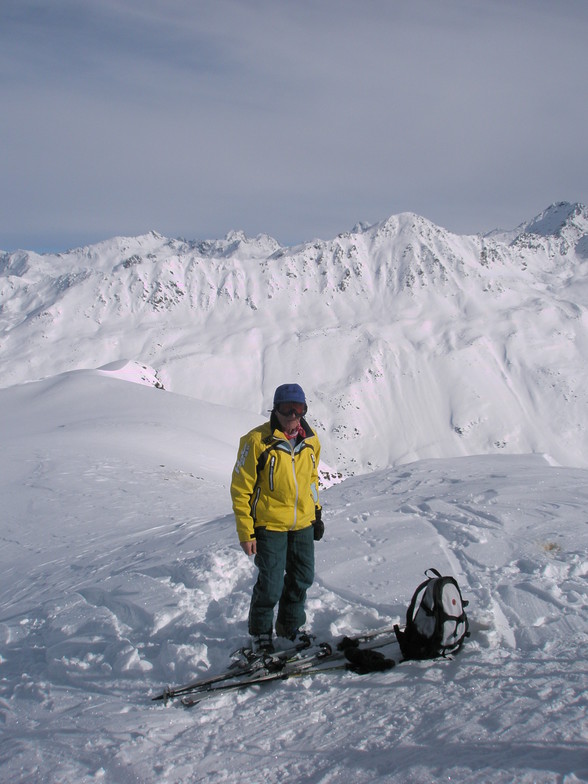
(274, 490)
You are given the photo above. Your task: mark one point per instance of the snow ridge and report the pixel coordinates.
(449, 345)
(121, 569)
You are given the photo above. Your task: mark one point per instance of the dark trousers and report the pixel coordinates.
(285, 560)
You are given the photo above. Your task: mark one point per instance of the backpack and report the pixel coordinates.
(436, 623)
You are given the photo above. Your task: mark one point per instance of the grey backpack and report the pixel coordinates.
(436, 623)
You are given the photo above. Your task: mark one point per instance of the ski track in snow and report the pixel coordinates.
(122, 575)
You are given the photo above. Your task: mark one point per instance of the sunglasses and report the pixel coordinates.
(289, 409)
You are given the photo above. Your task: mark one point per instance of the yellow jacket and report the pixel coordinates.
(275, 481)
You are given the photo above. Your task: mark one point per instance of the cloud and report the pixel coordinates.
(297, 119)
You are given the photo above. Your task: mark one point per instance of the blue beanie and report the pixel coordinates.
(289, 393)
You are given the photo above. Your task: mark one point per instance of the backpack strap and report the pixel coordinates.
(406, 636)
(415, 598)
(263, 458)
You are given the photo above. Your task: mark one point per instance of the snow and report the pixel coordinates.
(439, 345)
(455, 414)
(122, 573)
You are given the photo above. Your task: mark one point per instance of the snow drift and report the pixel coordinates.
(129, 371)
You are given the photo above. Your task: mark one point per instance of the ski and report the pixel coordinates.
(248, 664)
(310, 668)
(306, 666)
(247, 655)
(170, 692)
(385, 631)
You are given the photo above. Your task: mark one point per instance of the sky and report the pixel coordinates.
(296, 119)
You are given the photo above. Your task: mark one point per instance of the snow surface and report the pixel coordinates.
(410, 341)
(121, 573)
(448, 381)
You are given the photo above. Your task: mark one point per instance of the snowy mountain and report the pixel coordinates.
(441, 345)
(121, 571)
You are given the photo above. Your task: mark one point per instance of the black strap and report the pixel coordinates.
(365, 660)
(262, 460)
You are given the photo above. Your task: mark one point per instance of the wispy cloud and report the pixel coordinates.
(298, 119)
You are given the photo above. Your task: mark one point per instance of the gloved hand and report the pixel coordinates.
(318, 525)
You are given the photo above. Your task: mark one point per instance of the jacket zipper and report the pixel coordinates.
(272, 466)
(254, 504)
(296, 486)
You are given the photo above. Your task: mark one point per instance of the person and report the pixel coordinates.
(274, 490)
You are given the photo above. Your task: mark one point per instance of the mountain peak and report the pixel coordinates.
(558, 216)
(236, 240)
(560, 220)
(405, 330)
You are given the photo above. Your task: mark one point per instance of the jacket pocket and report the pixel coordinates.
(254, 502)
(271, 477)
